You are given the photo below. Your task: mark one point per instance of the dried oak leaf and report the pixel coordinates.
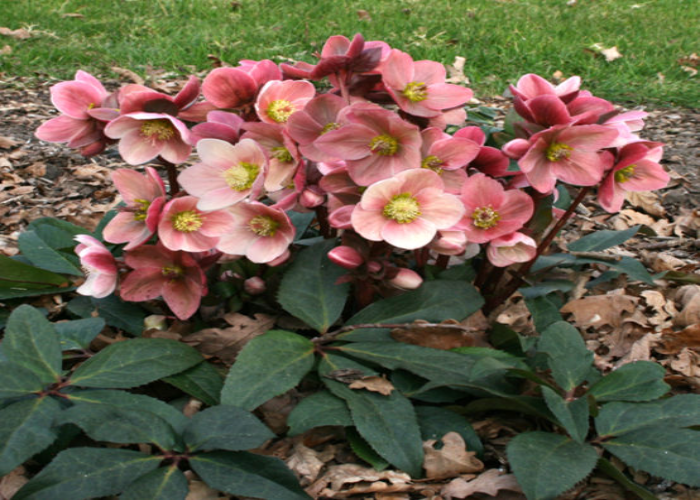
(647, 201)
(129, 75)
(7, 142)
(455, 72)
(341, 481)
(489, 483)
(11, 482)
(688, 298)
(600, 310)
(373, 383)
(306, 463)
(446, 335)
(672, 342)
(450, 460)
(664, 310)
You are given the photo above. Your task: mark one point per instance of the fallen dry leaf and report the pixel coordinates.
(75, 15)
(129, 75)
(6, 50)
(199, 490)
(8, 142)
(358, 480)
(672, 342)
(647, 201)
(19, 34)
(688, 298)
(11, 482)
(610, 53)
(374, 384)
(363, 15)
(455, 72)
(664, 310)
(691, 60)
(450, 460)
(600, 310)
(446, 335)
(489, 483)
(306, 463)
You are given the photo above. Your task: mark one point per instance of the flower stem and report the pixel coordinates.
(172, 176)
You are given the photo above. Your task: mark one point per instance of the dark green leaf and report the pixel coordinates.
(663, 451)
(322, 408)
(543, 311)
(364, 450)
(608, 468)
(414, 387)
(135, 362)
(268, 365)
(18, 279)
(435, 422)
(119, 314)
(527, 405)
(308, 290)
(245, 474)
(545, 288)
(165, 483)
(628, 265)
(615, 418)
(25, 429)
(57, 233)
(638, 381)
(569, 359)
(433, 301)
(572, 415)
(682, 277)
(38, 251)
(78, 334)
(31, 341)
(225, 428)
(81, 473)
(546, 465)
(387, 423)
(301, 221)
(202, 381)
(601, 240)
(16, 380)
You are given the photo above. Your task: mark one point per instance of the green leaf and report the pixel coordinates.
(543, 311)
(546, 464)
(322, 408)
(268, 365)
(601, 240)
(663, 451)
(364, 450)
(628, 265)
(78, 473)
(18, 279)
(545, 288)
(202, 381)
(387, 423)
(225, 428)
(77, 334)
(615, 419)
(31, 341)
(527, 405)
(16, 380)
(637, 381)
(308, 290)
(165, 483)
(608, 468)
(135, 362)
(40, 253)
(127, 400)
(434, 301)
(245, 474)
(119, 314)
(25, 429)
(57, 233)
(113, 424)
(572, 415)
(435, 422)
(569, 359)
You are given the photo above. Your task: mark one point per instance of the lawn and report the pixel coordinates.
(500, 39)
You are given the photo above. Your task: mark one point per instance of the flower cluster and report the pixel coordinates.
(371, 156)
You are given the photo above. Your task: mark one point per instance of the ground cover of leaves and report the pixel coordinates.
(621, 320)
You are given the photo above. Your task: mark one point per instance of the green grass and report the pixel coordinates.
(501, 39)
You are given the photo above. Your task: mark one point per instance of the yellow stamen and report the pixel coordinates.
(384, 145)
(142, 212)
(158, 129)
(172, 272)
(625, 174)
(415, 92)
(187, 221)
(485, 217)
(557, 151)
(242, 176)
(282, 154)
(403, 208)
(330, 126)
(263, 225)
(280, 110)
(433, 163)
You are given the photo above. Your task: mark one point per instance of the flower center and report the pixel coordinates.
(280, 110)
(187, 221)
(433, 163)
(557, 151)
(172, 272)
(158, 129)
(282, 154)
(403, 208)
(485, 217)
(625, 174)
(263, 225)
(330, 126)
(242, 176)
(384, 145)
(415, 92)
(142, 209)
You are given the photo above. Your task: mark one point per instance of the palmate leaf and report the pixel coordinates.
(572, 415)
(165, 483)
(569, 359)
(225, 427)
(637, 381)
(679, 411)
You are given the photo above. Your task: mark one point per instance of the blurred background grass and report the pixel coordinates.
(500, 39)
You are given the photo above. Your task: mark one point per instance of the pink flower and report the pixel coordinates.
(449, 242)
(318, 117)
(159, 272)
(137, 98)
(626, 124)
(219, 125)
(227, 174)
(99, 265)
(278, 100)
(637, 169)
(147, 135)
(530, 86)
(511, 248)
(419, 87)
(144, 196)
(259, 232)
(406, 210)
(491, 211)
(375, 143)
(488, 160)
(229, 88)
(570, 154)
(447, 156)
(184, 227)
(281, 150)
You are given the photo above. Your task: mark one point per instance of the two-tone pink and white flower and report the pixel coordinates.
(406, 210)
(99, 265)
(144, 196)
(279, 100)
(183, 226)
(511, 249)
(227, 173)
(281, 150)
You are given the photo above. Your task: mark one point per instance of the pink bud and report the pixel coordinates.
(406, 279)
(516, 148)
(279, 260)
(254, 285)
(511, 248)
(374, 267)
(310, 199)
(346, 257)
(449, 243)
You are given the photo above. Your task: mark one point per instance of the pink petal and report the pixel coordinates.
(229, 87)
(217, 223)
(98, 285)
(124, 228)
(368, 224)
(61, 129)
(74, 98)
(350, 142)
(409, 236)
(442, 209)
(588, 137)
(175, 151)
(264, 250)
(182, 297)
(188, 94)
(481, 191)
(136, 149)
(446, 95)
(143, 284)
(548, 110)
(121, 126)
(582, 168)
(132, 185)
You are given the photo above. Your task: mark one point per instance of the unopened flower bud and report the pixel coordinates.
(511, 248)
(449, 243)
(254, 285)
(346, 257)
(155, 321)
(310, 198)
(374, 267)
(406, 279)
